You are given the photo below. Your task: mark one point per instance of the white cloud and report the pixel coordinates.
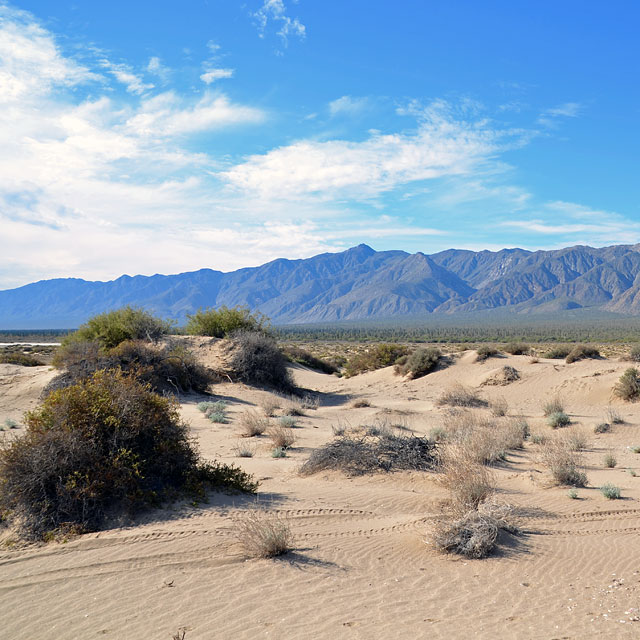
(549, 117)
(275, 10)
(441, 146)
(216, 74)
(348, 105)
(126, 76)
(157, 68)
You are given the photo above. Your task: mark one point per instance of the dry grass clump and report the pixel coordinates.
(469, 482)
(269, 405)
(628, 386)
(518, 348)
(360, 404)
(264, 535)
(563, 462)
(293, 406)
(419, 363)
(253, 424)
(582, 352)
(282, 437)
(21, 359)
(375, 357)
(575, 438)
(609, 460)
(485, 352)
(356, 456)
(303, 357)
(474, 533)
(244, 450)
(499, 407)
(634, 353)
(555, 405)
(612, 416)
(461, 396)
(602, 427)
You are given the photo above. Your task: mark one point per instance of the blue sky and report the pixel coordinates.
(146, 137)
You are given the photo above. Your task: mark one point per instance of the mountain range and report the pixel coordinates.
(357, 284)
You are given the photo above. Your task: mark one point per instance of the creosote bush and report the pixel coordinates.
(582, 352)
(257, 360)
(517, 348)
(485, 352)
(558, 352)
(113, 327)
(376, 357)
(107, 446)
(628, 386)
(420, 362)
(223, 321)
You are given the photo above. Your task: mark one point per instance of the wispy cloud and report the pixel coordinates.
(158, 69)
(275, 11)
(348, 105)
(212, 69)
(550, 117)
(124, 74)
(440, 146)
(216, 74)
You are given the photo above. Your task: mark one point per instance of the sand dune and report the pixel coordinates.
(361, 567)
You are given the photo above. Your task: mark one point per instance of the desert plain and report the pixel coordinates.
(362, 564)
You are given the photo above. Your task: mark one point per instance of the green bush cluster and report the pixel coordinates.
(113, 327)
(420, 362)
(22, 359)
(628, 386)
(223, 321)
(105, 447)
(376, 357)
(303, 357)
(486, 351)
(582, 352)
(517, 348)
(558, 352)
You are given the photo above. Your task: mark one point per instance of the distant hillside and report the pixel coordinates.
(357, 284)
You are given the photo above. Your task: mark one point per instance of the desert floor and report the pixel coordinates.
(362, 566)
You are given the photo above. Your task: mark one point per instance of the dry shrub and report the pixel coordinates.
(558, 419)
(582, 352)
(461, 396)
(563, 462)
(367, 454)
(555, 405)
(257, 360)
(499, 407)
(270, 405)
(474, 533)
(303, 357)
(310, 401)
(613, 416)
(253, 424)
(293, 406)
(282, 437)
(634, 353)
(360, 404)
(469, 482)
(105, 447)
(485, 352)
(21, 359)
(558, 352)
(264, 535)
(517, 348)
(628, 386)
(575, 438)
(505, 376)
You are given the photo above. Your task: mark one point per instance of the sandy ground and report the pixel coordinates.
(361, 567)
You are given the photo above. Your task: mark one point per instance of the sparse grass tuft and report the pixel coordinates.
(555, 405)
(461, 396)
(244, 450)
(269, 405)
(563, 463)
(602, 427)
(499, 407)
(613, 416)
(278, 452)
(287, 422)
(610, 460)
(282, 437)
(264, 535)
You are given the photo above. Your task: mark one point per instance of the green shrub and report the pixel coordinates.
(300, 356)
(558, 352)
(257, 360)
(223, 321)
(485, 352)
(376, 357)
(573, 494)
(420, 362)
(634, 353)
(610, 460)
(558, 419)
(517, 348)
(628, 386)
(104, 447)
(582, 352)
(113, 327)
(610, 491)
